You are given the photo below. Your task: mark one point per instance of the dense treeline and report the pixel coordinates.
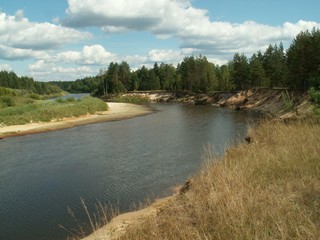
(11, 80)
(85, 85)
(297, 68)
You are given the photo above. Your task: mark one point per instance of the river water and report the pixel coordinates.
(120, 163)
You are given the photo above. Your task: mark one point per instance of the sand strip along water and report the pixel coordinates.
(118, 225)
(116, 111)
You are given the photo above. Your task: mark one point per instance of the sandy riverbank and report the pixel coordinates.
(117, 226)
(116, 111)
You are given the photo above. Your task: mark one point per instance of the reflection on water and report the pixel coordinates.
(120, 163)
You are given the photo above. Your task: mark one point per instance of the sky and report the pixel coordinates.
(65, 40)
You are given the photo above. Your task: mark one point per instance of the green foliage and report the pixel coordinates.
(44, 111)
(257, 73)
(36, 96)
(136, 99)
(7, 92)
(11, 80)
(314, 96)
(303, 59)
(297, 68)
(315, 99)
(85, 85)
(240, 72)
(7, 101)
(287, 100)
(274, 63)
(197, 74)
(66, 100)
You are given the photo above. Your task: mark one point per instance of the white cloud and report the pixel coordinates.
(166, 56)
(71, 65)
(90, 55)
(10, 53)
(49, 71)
(20, 38)
(179, 19)
(5, 67)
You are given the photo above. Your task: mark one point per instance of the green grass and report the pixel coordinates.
(7, 92)
(46, 110)
(129, 99)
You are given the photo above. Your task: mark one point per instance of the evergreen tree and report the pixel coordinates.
(274, 62)
(240, 71)
(257, 73)
(303, 59)
(124, 74)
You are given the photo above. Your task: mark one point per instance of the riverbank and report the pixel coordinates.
(279, 103)
(266, 188)
(117, 111)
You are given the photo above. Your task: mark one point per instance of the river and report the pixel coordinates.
(120, 163)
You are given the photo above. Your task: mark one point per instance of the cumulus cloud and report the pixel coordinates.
(10, 53)
(90, 55)
(70, 65)
(50, 71)
(22, 36)
(167, 56)
(178, 18)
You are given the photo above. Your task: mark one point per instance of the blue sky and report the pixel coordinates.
(71, 39)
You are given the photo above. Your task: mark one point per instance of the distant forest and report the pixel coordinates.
(11, 80)
(297, 68)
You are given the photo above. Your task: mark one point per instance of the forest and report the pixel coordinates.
(11, 80)
(297, 68)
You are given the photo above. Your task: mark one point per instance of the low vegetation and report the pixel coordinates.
(268, 189)
(315, 99)
(46, 110)
(136, 99)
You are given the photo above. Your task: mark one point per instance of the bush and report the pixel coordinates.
(129, 99)
(66, 100)
(314, 96)
(7, 101)
(7, 92)
(35, 96)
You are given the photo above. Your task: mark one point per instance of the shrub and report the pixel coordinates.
(314, 96)
(7, 92)
(35, 96)
(7, 101)
(65, 100)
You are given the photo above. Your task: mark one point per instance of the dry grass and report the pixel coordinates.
(96, 220)
(268, 189)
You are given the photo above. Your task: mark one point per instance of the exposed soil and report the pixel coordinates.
(273, 102)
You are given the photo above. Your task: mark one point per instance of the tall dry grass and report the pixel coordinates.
(268, 189)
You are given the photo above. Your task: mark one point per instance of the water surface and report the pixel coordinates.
(120, 163)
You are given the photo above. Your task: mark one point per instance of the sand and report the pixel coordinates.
(116, 111)
(117, 226)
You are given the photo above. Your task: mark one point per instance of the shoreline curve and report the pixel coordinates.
(116, 112)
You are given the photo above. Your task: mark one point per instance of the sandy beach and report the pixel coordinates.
(116, 111)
